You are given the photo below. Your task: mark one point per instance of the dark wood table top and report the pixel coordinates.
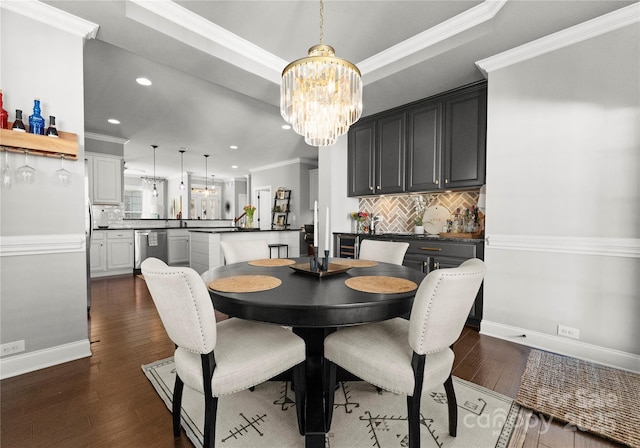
(304, 300)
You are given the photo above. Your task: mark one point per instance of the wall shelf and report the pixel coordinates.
(66, 143)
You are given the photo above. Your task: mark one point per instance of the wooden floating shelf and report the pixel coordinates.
(66, 143)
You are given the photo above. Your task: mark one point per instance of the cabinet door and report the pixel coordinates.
(120, 254)
(178, 250)
(107, 180)
(424, 168)
(361, 159)
(465, 139)
(389, 156)
(98, 256)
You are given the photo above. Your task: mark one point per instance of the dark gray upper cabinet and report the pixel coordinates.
(376, 156)
(390, 151)
(465, 139)
(424, 159)
(431, 145)
(361, 158)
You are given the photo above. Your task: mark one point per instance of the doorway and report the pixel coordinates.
(262, 197)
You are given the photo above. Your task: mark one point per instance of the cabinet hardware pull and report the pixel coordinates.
(371, 188)
(431, 248)
(378, 187)
(446, 181)
(437, 182)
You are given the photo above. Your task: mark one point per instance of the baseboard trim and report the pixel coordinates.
(40, 359)
(563, 346)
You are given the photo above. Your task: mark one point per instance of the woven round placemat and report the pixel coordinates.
(271, 262)
(380, 284)
(357, 263)
(245, 283)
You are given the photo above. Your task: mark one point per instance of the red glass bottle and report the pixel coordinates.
(4, 116)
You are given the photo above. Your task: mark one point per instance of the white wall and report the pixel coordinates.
(43, 292)
(563, 199)
(332, 190)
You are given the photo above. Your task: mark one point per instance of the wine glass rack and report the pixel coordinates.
(66, 143)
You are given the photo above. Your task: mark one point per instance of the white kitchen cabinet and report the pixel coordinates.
(98, 253)
(119, 250)
(105, 178)
(111, 253)
(178, 247)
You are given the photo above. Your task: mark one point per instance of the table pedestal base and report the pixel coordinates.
(315, 430)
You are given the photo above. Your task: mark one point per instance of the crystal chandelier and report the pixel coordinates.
(321, 95)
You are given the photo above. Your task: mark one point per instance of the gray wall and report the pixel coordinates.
(563, 199)
(292, 175)
(43, 267)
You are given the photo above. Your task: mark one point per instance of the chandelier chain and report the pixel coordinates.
(321, 21)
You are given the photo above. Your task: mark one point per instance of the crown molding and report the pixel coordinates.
(578, 33)
(481, 13)
(106, 138)
(284, 163)
(198, 32)
(50, 15)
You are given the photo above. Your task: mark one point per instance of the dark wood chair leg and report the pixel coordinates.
(329, 392)
(177, 405)
(300, 390)
(452, 405)
(210, 402)
(413, 402)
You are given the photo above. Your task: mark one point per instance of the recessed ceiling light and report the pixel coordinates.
(234, 166)
(286, 127)
(143, 81)
(233, 147)
(113, 121)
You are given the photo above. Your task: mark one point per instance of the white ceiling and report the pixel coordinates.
(215, 66)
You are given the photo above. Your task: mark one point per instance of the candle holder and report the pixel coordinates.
(313, 261)
(325, 261)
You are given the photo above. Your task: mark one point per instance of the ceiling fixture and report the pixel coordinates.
(321, 95)
(113, 121)
(182, 150)
(143, 81)
(154, 193)
(206, 185)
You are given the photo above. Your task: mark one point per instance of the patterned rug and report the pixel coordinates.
(363, 417)
(587, 396)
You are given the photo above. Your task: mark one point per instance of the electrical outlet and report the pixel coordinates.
(11, 348)
(568, 332)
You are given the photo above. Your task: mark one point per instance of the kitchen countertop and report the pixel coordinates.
(412, 236)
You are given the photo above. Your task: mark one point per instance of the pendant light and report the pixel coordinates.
(182, 151)
(206, 185)
(321, 95)
(154, 193)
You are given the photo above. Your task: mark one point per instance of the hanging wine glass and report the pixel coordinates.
(63, 175)
(26, 174)
(7, 174)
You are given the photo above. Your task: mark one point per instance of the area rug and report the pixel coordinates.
(363, 417)
(587, 396)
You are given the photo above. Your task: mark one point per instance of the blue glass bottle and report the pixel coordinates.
(36, 121)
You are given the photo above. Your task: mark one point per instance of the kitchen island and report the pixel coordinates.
(206, 252)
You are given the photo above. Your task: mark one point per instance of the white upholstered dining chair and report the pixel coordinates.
(238, 251)
(405, 357)
(223, 358)
(383, 251)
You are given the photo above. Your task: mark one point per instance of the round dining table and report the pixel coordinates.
(314, 304)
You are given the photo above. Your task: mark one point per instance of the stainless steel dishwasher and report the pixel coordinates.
(150, 243)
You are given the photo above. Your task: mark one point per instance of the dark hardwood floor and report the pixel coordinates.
(106, 400)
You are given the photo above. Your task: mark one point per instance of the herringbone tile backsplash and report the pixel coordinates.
(398, 212)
